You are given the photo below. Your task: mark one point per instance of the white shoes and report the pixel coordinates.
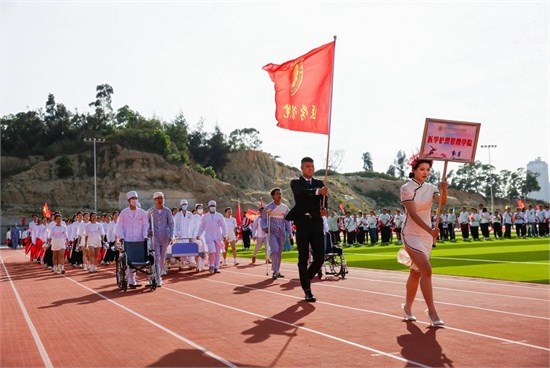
(408, 317)
(435, 323)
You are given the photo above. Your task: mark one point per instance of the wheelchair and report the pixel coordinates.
(335, 262)
(138, 257)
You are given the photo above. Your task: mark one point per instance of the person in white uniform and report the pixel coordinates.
(418, 236)
(132, 226)
(58, 238)
(93, 240)
(215, 230)
(200, 240)
(183, 227)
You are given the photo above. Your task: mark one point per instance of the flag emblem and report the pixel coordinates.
(297, 76)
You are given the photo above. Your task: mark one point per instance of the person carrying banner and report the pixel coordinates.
(307, 216)
(418, 236)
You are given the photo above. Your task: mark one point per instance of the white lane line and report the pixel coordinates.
(401, 275)
(41, 349)
(327, 285)
(389, 255)
(332, 337)
(379, 313)
(442, 288)
(159, 326)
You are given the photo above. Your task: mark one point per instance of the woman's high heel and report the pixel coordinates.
(408, 317)
(437, 323)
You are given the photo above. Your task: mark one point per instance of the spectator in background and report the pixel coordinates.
(464, 221)
(508, 221)
(484, 223)
(496, 221)
(451, 221)
(475, 218)
(15, 235)
(398, 220)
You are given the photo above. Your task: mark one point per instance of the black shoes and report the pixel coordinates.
(309, 297)
(133, 286)
(277, 275)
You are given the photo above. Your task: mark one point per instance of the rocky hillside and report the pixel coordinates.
(248, 177)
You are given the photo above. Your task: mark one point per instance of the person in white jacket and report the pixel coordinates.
(215, 231)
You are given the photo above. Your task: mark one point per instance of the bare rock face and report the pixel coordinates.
(248, 177)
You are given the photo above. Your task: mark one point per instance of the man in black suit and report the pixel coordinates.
(307, 216)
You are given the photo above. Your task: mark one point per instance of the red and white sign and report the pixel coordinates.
(447, 140)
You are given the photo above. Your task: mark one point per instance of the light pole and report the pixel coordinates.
(489, 146)
(94, 141)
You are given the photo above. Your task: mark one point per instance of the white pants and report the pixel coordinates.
(214, 249)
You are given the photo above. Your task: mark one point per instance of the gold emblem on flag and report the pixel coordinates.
(297, 76)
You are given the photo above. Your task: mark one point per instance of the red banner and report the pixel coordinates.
(239, 218)
(342, 209)
(303, 89)
(521, 203)
(251, 215)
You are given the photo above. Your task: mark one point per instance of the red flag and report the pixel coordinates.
(239, 217)
(303, 88)
(251, 215)
(342, 209)
(261, 202)
(521, 203)
(46, 211)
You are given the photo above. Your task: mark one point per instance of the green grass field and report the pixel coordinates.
(524, 260)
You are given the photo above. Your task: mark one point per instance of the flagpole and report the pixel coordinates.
(329, 117)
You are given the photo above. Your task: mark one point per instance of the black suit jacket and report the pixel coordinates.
(306, 201)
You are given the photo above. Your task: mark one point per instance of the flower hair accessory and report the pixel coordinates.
(413, 160)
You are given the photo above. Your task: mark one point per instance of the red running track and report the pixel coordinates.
(240, 317)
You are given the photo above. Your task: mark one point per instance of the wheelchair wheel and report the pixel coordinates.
(336, 265)
(151, 270)
(121, 266)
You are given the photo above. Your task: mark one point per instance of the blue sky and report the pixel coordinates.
(397, 63)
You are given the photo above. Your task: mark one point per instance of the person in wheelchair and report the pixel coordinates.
(132, 226)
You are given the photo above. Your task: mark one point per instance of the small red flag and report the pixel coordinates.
(342, 209)
(521, 203)
(261, 202)
(46, 211)
(303, 89)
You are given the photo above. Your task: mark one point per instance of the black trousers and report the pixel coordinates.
(508, 231)
(309, 232)
(475, 232)
(497, 228)
(335, 237)
(385, 231)
(451, 231)
(351, 237)
(485, 229)
(360, 235)
(464, 229)
(246, 239)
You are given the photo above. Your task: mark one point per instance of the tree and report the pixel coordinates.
(244, 139)
(23, 134)
(530, 183)
(100, 121)
(219, 149)
(335, 159)
(178, 131)
(400, 162)
(391, 170)
(367, 162)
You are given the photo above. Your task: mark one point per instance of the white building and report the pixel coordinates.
(540, 167)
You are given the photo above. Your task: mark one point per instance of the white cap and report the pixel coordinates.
(158, 194)
(183, 201)
(131, 194)
(211, 203)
